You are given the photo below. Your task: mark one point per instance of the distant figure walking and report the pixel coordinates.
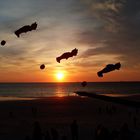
(37, 133)
(101, 133)
(135, 121)
(125, 133)
(74, 130)
(55, 135)
(47, 136)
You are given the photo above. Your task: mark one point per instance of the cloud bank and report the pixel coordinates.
(117, 29)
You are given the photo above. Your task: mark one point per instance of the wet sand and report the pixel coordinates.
(17, 117)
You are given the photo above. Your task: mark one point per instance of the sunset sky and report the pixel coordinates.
(103, 31)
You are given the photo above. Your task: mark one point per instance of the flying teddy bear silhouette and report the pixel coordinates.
(25, 29)
(109, 68)
(67, 55)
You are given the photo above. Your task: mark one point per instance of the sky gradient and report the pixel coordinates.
(103, 31)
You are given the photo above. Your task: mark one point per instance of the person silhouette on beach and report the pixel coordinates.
(125, 133)
(135, 121)
(55, 135)
(47, 136)
(11, 114)
(101, 133)
(74, 130)
(114, 134)
(37, 132)
(98, 131)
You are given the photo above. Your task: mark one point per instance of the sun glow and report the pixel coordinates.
(60, 76)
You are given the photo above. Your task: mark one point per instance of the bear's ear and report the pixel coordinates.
(118, 65)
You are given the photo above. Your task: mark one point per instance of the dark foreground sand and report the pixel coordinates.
(17, 117)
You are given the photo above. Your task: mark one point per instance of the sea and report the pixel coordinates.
(16, 91)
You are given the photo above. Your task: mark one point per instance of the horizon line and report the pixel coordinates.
(70, 82)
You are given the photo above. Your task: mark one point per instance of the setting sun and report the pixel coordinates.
(60, 76)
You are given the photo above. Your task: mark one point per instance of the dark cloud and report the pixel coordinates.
(117, 29)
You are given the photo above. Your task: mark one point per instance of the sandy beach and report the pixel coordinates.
(17, 117)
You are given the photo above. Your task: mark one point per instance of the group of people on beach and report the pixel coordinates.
(53, 135)
(100, 133)
(103, 133)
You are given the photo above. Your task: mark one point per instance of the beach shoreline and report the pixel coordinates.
(17, 117)
(134, 97)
